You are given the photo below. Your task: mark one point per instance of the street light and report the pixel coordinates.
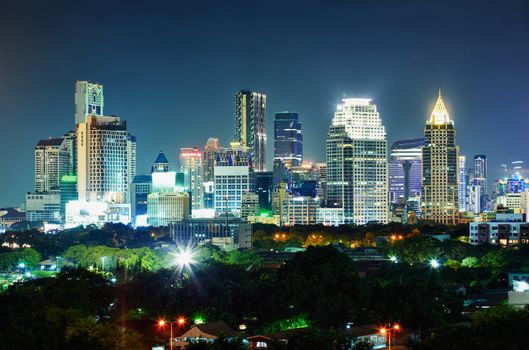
(434, 263)
(386, 332)
(184, 258)
(180, 322)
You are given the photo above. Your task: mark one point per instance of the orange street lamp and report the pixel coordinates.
(386, 331)
(180, 322)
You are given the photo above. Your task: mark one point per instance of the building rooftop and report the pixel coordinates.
(50, 142)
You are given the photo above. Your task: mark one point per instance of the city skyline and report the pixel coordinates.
(161, 114)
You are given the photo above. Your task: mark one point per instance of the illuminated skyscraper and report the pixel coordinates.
(106, 159)
(440, 167)
(288, 140)
(463, 183)
(250, 130)
(210, 152)
(480, 178)
(357, 162)
(192, 167)
(52, 162)
(89, 100)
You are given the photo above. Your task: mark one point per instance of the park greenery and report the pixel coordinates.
(113, 286)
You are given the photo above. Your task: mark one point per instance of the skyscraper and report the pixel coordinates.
(463, 183)
(405, 170)
(357, 162)
(480, 178)
(191, 166)
(440, 167)
(52, 162)
(88, 100)
(288, 139)
(105, 159)
(250, 131)
(210, 152)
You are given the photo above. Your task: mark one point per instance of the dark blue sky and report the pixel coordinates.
(170, 68)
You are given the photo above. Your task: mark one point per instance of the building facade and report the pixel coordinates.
(250, 130)
(191, 166)
(52, 162)
(166, 207)
(231, 182)
(288, 139)
(357, 162)
(299, 210)
(440, 167)
(405, 170)
(105, 160)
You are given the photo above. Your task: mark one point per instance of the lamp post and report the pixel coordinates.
(103, 262)
(180, 322)
(386, 331)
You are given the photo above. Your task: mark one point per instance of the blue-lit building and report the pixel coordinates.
(288, 139)
(405, 170)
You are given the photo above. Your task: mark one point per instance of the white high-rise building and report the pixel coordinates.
(231, 182)
(106, 159)
(357, 162)
(88, 100)
(52, 161)
(463, 199)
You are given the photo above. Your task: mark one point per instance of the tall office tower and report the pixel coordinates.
(440, 167)
(480, 177)
(70, 139)
(322, 182)
(250, 131)
(88, 100)
(161, 164)
(264, 186)
(405, 170)
(357, 162)
(288, 140)
(210, 152)
(52, 161)
(191, 166)
(463, 183)
(105, 159)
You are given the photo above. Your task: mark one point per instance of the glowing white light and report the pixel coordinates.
(434, 263)
(393, 258)
(184, 258)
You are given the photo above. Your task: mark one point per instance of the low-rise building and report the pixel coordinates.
(43, 206)
(507, 229)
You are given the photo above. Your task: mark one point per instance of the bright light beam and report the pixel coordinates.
(184, 258)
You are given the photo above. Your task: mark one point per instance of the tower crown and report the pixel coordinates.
(440, 114)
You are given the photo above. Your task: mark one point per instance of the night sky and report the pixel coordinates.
(170, 68)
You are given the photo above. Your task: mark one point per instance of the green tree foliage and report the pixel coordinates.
(10, 260)
(501, 327)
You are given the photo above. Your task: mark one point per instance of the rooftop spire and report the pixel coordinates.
(440, 114)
